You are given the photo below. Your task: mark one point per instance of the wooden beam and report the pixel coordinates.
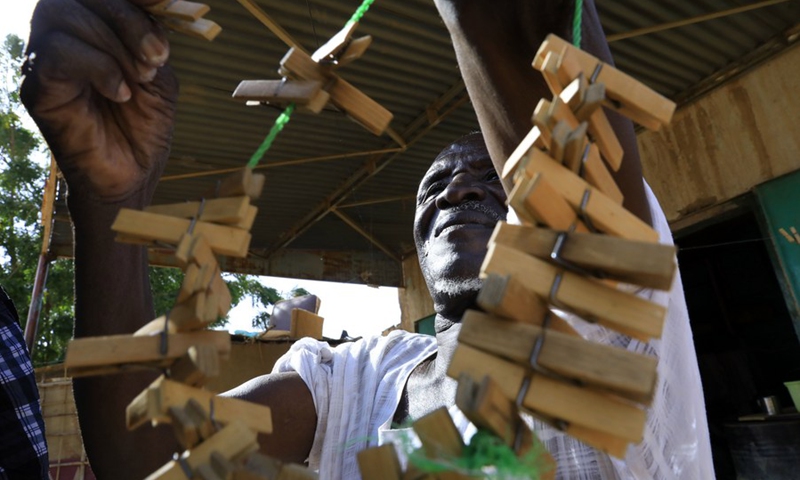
(639, 263)
(616, 370)
(153, 404)
(612, 308)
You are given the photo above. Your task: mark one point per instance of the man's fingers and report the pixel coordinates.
(63, 68)
(137, 31)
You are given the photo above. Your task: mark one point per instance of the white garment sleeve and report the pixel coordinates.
(356, 388)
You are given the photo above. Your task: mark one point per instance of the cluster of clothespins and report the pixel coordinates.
(310, 82)
(218, 435)
(575, 248)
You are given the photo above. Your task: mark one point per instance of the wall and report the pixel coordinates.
(415, 300)
(725, 143)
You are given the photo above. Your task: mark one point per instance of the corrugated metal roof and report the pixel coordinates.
(410, 69)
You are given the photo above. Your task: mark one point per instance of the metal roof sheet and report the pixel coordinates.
(322, 163)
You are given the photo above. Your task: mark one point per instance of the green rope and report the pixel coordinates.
(360, 12)
(577, 23)
(284, 117)
(280, 122)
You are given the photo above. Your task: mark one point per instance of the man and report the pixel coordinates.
(103, 97)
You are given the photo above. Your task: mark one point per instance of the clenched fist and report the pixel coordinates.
(97, 85)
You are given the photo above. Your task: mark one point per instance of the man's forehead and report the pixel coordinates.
(470, 148)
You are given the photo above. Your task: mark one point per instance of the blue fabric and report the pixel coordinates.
(23, 449)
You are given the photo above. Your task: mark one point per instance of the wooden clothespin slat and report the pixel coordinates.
(537, 202)
(612, 308)
(520, 155)
(605, 214)
(200, 28)
(569, 143)
(640, 263)
(225, 211)
(439, 436)
(179, 9)
(585, 105)
(306, 94)
(379, 463)
(305, 324)
(129, 349)
(153, 404)
(354, 50)
(241, 182)
(224, 240)
(232, 442)
(627, 95)
(509, 378)
(155, 327)
(191, 313)
(358, 106)
(218, 468)
(626, 374)
(506, 297)
(194, 248)
(200, 363)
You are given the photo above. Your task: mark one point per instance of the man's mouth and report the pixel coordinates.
(464, 219)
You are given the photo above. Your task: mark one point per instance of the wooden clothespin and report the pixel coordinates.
(379, 463)
(570, 143)
(191, 424)
(232, 211)
(153, 405)
(486, 407)
(605, 214)
(153, 227)
(595, 301)
(506, 297)
(233, 442)
(626, 374)
(305, 324)
(218, 468)
(186, 17)
(647, 264)
(538, 203)
(320, 83)
(585, 100)
(200, 363)
(112, 354)
(599, 420)
(439, 436)
(624, 94)
(241, 182)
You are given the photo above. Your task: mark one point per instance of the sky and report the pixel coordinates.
(359, 309)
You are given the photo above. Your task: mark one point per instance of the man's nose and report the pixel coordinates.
(462, 188)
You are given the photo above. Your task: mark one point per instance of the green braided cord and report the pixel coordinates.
(360, 12)
(280, 122)
(577, 22)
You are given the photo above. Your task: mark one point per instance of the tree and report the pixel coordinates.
(21, 185)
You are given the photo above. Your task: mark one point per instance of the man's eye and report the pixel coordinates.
(432, 191)
(491, 176)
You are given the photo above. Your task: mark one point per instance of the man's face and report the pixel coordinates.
(459, 201)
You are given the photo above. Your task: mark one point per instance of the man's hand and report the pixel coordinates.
(98, 88)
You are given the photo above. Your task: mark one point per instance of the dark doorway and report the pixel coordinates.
(746, 344)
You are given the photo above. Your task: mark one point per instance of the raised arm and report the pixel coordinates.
(495, 43)
(97, 85)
